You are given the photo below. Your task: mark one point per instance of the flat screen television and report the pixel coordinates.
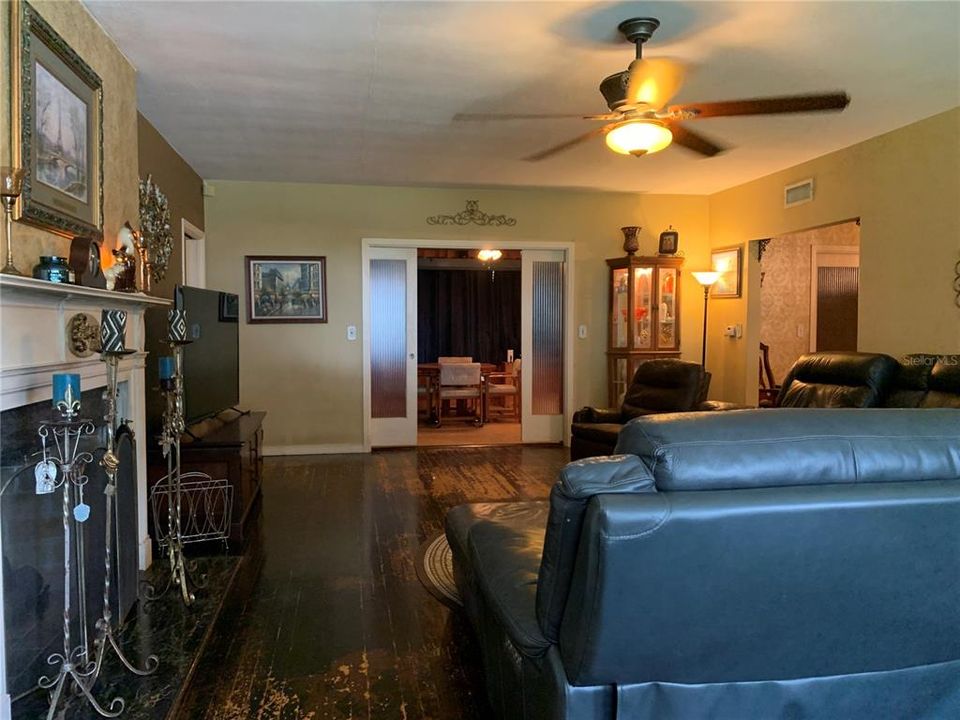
(211, 362)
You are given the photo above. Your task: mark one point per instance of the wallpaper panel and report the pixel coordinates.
(785, 291)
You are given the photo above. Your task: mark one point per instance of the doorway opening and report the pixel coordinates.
(463, 347)
(468, 315)
(809, 293)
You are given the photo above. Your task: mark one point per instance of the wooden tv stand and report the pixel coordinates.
(228, 445)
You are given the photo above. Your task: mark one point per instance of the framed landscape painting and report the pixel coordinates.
(728, 263)
(57, 128)
(286, 289)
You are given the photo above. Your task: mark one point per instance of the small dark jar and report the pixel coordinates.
(53, 269)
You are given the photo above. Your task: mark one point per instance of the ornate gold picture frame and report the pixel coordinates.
(57, 128)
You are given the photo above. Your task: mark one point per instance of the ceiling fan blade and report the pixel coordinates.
(764, 106)
(653, 81)
(694, 141)
(544, 154)
(482, 117)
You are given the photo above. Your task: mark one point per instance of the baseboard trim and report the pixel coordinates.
(328, 449)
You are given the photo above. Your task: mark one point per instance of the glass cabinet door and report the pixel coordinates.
(619, 309)
(642, 307)
(667, 309)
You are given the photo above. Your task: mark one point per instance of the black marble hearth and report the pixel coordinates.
(164, 627)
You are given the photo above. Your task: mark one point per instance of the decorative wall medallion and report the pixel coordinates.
(762, 248)
(472, 214)
(956, 283)
(83, 335)
(155, 227)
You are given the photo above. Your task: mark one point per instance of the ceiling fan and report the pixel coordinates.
(640, 122)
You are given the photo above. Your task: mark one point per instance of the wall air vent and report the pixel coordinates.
(798, 193)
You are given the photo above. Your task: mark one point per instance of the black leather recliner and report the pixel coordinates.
(658, 386)
(866, 380)
(752, 564)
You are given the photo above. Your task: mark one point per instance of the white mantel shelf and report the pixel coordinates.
(28, 286)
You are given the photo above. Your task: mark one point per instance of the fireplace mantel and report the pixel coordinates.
(34, 315)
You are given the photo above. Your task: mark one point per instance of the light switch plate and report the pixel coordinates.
(351, 332)
(582, 331)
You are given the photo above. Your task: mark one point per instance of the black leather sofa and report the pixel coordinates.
(658, 386)
(750, 565)
(867, 380)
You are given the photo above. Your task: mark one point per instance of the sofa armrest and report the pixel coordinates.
(720, 406)
(598, 415)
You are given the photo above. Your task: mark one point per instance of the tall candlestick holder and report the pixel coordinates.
(65, 467)
(173, 426)
(106, 640)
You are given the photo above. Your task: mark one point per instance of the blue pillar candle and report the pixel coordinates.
(113, 331)
(178, 325)
(66, 393)
(168, 367)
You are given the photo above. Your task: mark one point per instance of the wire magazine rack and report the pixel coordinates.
(206, 508)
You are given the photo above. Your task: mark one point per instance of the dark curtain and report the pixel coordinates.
(464, 312)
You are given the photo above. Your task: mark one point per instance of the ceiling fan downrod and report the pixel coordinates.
(638, 31)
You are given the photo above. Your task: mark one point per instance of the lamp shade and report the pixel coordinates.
(706, 277)
(639, 137)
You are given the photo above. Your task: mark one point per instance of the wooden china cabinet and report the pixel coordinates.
(644, 320)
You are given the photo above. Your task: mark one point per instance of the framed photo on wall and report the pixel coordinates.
(286, 289)
(57, 128)
(728, 262)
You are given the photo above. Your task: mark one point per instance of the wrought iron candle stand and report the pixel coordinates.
(111, 463)
(173, 427)
(67, 469)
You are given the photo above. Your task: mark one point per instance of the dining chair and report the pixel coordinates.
(504, 385)
(461, 381)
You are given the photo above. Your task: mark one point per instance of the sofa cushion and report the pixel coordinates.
(665, 385)
(837, 380)
(579, 481)
(944, 383)
(782, 447)
(599, 432)
(502, 544)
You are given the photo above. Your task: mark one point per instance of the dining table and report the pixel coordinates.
(431, 373)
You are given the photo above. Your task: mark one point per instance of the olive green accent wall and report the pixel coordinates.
(183, 188)
(120, 196)
(904, 186)
(309, 377)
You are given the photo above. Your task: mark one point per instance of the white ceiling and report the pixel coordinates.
(364, 92)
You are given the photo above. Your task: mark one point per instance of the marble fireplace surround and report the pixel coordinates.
(34, 345)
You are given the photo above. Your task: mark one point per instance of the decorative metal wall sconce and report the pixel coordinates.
(472, 214)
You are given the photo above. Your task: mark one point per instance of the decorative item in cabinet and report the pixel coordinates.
(644, 318)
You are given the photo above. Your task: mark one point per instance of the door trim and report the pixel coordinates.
(815, 252)
(461, 244)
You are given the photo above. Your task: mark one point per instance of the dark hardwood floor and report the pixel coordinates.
(329, 620)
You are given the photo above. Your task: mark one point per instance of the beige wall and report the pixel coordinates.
(785, 291)
(905, 187)
(309, 377)
(183, 188)
(120, 195)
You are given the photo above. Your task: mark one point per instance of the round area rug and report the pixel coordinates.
(435, 571)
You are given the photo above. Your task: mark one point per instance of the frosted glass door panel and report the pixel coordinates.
(391, 339)
(547, 376)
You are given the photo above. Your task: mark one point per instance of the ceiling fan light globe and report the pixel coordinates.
(639, 137)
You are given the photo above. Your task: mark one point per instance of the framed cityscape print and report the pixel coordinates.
(57, 128)
(728, 263)
(286, 289)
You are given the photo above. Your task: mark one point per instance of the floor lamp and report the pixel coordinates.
(706, 278)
